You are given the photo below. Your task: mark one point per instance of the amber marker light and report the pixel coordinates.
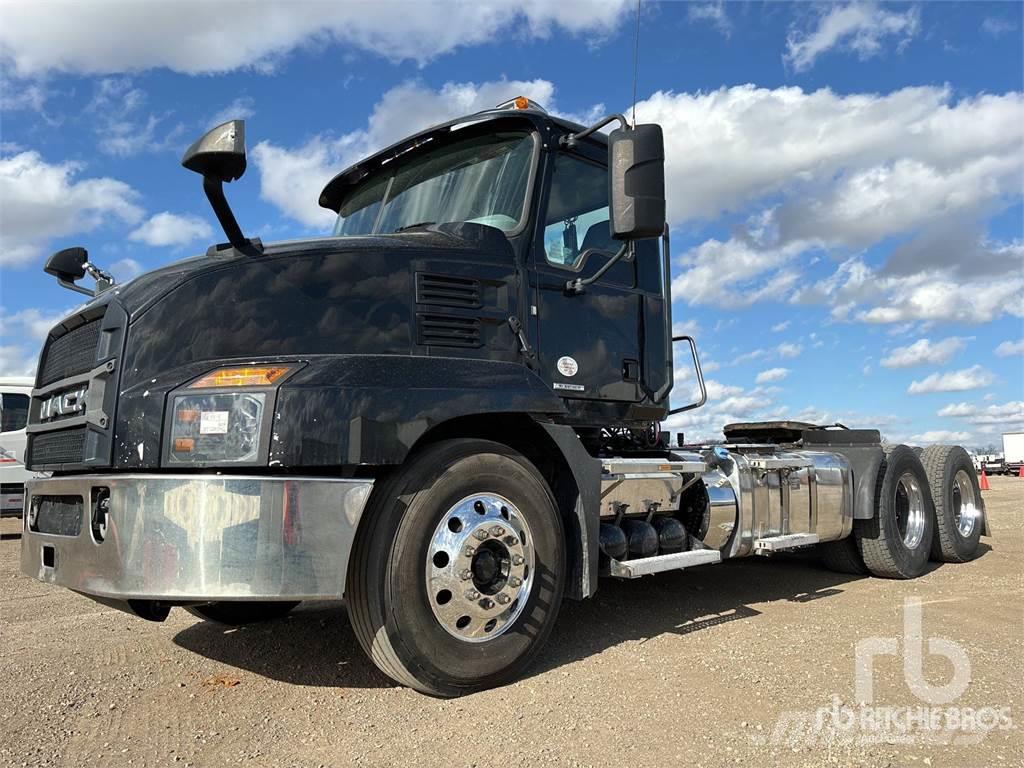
(244, 376)
(184, 444)
(522, 102)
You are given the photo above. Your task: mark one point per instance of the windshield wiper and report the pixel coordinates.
(413, 226)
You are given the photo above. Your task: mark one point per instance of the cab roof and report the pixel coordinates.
(335, 189)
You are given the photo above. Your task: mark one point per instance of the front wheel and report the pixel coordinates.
(455, 582)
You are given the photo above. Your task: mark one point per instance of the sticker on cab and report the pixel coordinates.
(567, 366)
(213, 423)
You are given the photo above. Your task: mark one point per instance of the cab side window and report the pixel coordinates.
(13, 411)
(577, 213)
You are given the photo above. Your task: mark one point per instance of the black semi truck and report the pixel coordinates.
(446, 413)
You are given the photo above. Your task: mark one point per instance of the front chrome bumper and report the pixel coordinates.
(194, 538)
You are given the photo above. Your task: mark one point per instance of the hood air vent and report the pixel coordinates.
(447, 291)
(448, 331)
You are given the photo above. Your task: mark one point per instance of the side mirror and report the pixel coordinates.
(219, 156)
(219, 153)
(636, 162)
(67, 265)
(71, 265)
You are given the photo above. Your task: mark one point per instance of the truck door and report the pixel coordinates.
(589, 344)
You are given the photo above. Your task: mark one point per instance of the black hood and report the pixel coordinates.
(139, 294)
(328, 296)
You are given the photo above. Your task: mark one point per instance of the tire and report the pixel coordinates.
(896, 543)
(842, 556)
(237, 613)
(959, 510)
(399, 612)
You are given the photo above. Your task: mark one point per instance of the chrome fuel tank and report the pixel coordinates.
(767, 492)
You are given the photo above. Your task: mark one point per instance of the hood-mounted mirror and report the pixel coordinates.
(71, 265)
(219, 156)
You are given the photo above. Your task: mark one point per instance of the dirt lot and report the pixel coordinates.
(691, 668)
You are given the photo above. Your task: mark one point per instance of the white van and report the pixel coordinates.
(15, 394)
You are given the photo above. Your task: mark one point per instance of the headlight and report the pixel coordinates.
(208, 426)
(216, 429)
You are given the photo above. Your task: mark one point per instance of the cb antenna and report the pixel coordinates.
(636, 58)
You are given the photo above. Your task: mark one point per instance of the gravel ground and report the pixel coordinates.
(692, 668)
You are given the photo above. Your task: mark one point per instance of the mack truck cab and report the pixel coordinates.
(445, 414)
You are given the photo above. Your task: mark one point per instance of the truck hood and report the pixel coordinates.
(142, 292)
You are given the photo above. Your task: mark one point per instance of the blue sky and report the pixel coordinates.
(844, 181)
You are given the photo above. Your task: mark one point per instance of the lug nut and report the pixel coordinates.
(497, 531)
(487, 603)
(517, 560)
(472, 594)
(466, 574)
(511, 540)
(504, 599)
(481, 534)
(515, 581)
(469, 551)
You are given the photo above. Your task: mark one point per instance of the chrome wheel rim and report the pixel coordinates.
(965, 504)
(480, 567)
(910, 513)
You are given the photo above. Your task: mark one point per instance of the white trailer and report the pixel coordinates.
(1013, 452)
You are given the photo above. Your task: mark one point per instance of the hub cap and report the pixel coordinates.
(910, 513)
(965, 505)
(480, 567)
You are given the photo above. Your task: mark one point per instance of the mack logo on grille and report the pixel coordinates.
(64, 404)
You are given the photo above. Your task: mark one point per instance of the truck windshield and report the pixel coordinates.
(481, 180)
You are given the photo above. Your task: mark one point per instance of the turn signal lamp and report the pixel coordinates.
(521, 102)
(245, 376)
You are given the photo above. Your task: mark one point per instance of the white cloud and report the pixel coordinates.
(292, 178)
(860, 27)
(997, 27)
(40, 201)
(727, 403)
(772, 374)
(844, 172)
(952, 381)
(732, 274)
(124, 270)
(29, 325)
(117, 113)
(1010, 348)
(241, 108)
(821, 139)
(999, 414)
(924, 351)
(17, 361)
(194, 37)
(166, 228)
(788, 349)
(957, 409)
(866, 294)
(780, 327)
(940, 436)
(714, 13)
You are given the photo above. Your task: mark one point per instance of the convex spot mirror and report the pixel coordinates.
(67, 265)
(220, 153)
(636, 159)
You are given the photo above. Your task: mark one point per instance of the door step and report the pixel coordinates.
(780, 543)
(634, 569)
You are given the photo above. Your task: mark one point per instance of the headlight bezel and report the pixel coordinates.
(265, 394)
